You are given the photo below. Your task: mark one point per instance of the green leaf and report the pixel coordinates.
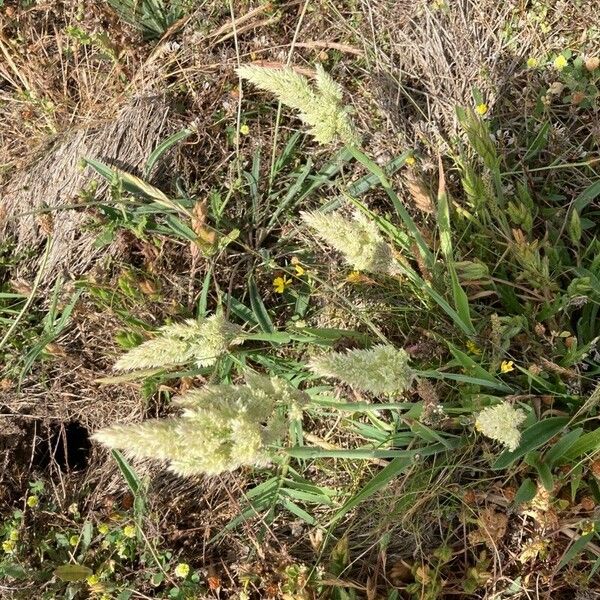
(159, 151)
(13, 570)
(461, 302)
(240, 310)
(562, 446)
(408, 221)
(134, 185)
(545, 475)
(86, 535)
(276, 337)
(539, 143)
(72, 572)
(306, 452)
(133, 481)
(396, 466)
(533, 437)
(473, 368)
(203, 300)
(526, 492)
(296, 510)
(586, 196)
(575, 549)
(586, 444)
(258, 308)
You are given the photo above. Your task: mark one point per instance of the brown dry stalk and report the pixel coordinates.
(420, 193)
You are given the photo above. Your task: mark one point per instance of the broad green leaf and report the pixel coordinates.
(545, 475)
(86, 535)
(588, 443)
(562, 446)
(526, 492)
(533, 437)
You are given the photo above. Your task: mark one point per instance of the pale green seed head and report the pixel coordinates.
(381, 370)
(501, 423)
(222, 428)
(200, 341)
(357, 239)
(321, 108)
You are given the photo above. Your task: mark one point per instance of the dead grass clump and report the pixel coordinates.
(36, 202)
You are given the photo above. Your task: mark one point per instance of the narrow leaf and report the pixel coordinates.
(533, 437)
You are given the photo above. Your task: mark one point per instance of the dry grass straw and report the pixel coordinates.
(36, 201)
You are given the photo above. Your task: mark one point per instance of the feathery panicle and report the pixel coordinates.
(222, 428)
(321, 108)
(501, 423)
(199, 341)
(382, 369)
(358, 239)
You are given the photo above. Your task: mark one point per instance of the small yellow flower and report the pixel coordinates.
(74, 540)
(280, 283)
(507, 366)
(481, 109)
(14, 535)
(32, 501)
(354, 277)
(299, 270)
(129, 531)
(532, 62)
(244, 129)
(410, 160)
(473, 348)
(560, 62)
(93, 580)
(8, 546)
(182, 570)
(103, 528)
(587, 527)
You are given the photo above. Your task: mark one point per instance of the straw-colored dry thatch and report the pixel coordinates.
(34, 205)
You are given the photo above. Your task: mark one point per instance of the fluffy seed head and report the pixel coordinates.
(501, 423)
(382, 369)
(320, 107)
(357, 239)
(200, 341)
(222, 428)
